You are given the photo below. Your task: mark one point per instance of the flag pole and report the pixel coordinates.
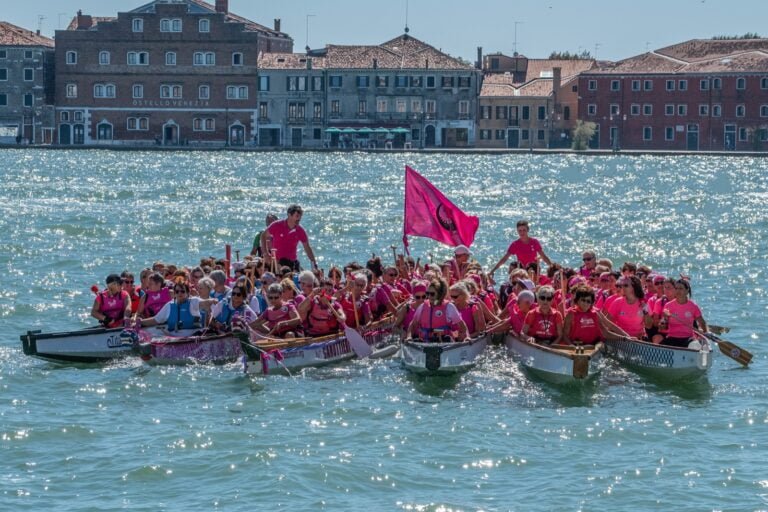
(405, 195)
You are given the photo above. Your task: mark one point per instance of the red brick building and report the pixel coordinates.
(702, 94)
(171, 73)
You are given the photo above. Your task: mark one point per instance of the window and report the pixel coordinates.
(763, 110)
(703, 110)
(416, 106)
(27, 54)
(78, 116)
(29, 100)
(3, 100)
(648, 85)
(614, 109)
(170, 25)
(540, 135)
(401, 105)
(29, 74)
(71, 57)
(171, 91)
(104, 90)
(741, 83)
(464, 107)
(524, 134)
(647, 133)
(71, 91)
(501, 112)
(592, 85)
(682, 85)
(669, 109)
(204, 59)
(137, 123)
(740, 110)
(334, 81)
(138, 91)
(382, 105)
(764, 83)
(203, 124)
(615, 85)
(430, 82)
(317, 83)
(417, 81)
(465, 82)
(317, 111)
(3, 74)
(647, 109)
(382, 81)
(104, 58)
(263, 83)
(237, 59)
(485, 134)
(137, 25)
(446, 82)
(3, 54)
(682, 110)
(415, 134)
(296, 110)
(362, 107)
(237, 92)
(500, 134)
(138, 58)
(363, 81)
(263, 110)
(485, 112)
(704, 85)
(670, 85)
(170, 58)
(204, 92)
(317, 133)
(335, 107)
(204, 25)
(431, 107)
(717, 83)
(635, 85)
(526, 112)
(297, 83)
(401, 81)
(634, 110)
(542, 113)
(566, 113)
(592, 109)
(669, 133)
(742, 134)
(717, 110)
(64, 117)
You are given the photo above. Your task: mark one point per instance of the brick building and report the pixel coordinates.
(702, 94)
(26, 86)
(528, 103)
(171, 72)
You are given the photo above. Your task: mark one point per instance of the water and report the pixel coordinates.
(365, 434)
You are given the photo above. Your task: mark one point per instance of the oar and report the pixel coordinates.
(356, 341)
(731, 350)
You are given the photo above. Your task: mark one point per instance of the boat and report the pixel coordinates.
(91, 345)
(662, 361)
(428, 358)
(192, 348)
(265, 355)
(559, 364)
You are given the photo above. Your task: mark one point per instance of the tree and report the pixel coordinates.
(566, 55)
(582, 134)
(748, 35)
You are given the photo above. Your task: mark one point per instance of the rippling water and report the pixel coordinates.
(365, 434)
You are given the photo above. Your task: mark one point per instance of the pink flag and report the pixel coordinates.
(430, 214)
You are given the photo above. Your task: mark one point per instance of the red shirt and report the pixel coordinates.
(525, 252)
(541, 325)
(285, 240)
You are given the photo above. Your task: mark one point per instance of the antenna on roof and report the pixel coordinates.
(514, 47)
(60, 15)
(406, 17)
(40, 19)
(597, 47)
(307, 39)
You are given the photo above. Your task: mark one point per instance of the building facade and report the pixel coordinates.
(179, 72)
(528, 103)
(26, 86)
(402, 93)
(709, 95)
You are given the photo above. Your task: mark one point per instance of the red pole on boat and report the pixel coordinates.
(227, 257)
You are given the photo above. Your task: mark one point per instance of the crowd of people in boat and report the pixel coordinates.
(451, 300)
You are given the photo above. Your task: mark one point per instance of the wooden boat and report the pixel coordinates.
(91, 345)
(426, 358)
(270, 355)
(661, 361)
(559, 364)
(189, 349)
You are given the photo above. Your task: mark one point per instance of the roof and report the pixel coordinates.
(402, 52)
(538, 78)
(11, 35)
(697, 56)
(288, 61)
(201, 7)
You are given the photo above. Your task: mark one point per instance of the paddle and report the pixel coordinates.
(356, 341)
(731, 350)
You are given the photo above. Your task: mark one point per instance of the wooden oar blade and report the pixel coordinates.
(738, 354)
(357, 343)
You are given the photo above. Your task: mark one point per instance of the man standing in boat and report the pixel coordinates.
(283, 237)
(526, 249)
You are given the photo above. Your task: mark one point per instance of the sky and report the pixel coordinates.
(608, 29)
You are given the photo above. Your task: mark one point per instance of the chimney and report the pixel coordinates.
(222, 6)
(277, 25)
(309, 63)
(375, 63)
(84, 21)
(556, 79)
(479, 64)
(37, 31)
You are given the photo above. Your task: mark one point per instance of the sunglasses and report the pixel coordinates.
(545, 297)
(392, 275)
(431, 294)
(237, 294)
(455, 296)
(126, 281)
(419, 297)
(179, 291)
(587, 259)
(587, 300)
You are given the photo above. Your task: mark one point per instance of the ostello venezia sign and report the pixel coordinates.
(169, 103)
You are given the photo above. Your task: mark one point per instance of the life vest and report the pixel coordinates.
(272, 316)
(321, 319)
(181, 317)
(113, 307)
(433, 321)
(410, 312)
(349, 309)
(155, 301)
(468, 315)
(227, 312)
(543, 326)
(585, 326)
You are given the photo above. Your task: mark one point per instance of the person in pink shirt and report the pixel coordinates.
(526, 249)
(681, 317)
(630, 312)
(283, 237)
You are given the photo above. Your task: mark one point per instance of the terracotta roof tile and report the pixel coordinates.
(705, 49)
(288, 61)
(11, 35)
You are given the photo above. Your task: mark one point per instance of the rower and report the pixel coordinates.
(112, 307)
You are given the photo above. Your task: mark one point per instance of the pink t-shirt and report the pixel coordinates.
(525, 253)
(681, 317)
(285, 240)
(628, 316)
